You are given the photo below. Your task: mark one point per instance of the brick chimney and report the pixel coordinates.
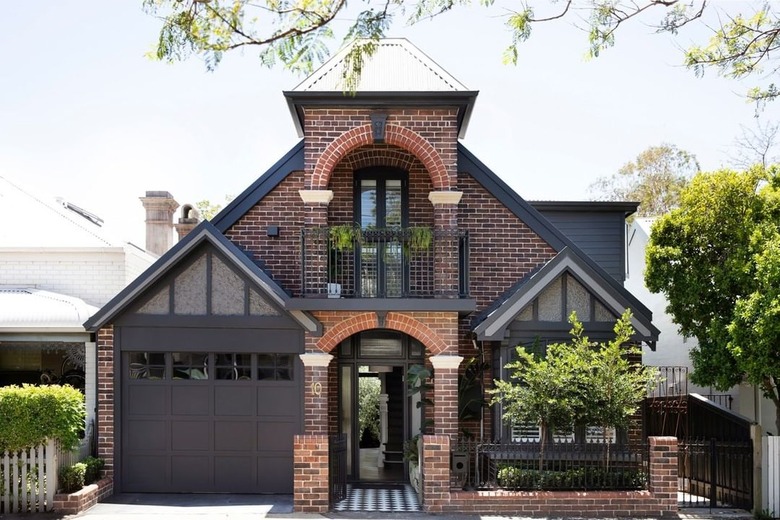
(190, 217)
(159, 206)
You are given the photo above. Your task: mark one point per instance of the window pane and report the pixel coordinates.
(368, 203)
(146, 365)
(234, 366)
(393, 203)
(190, 365)
(275, 367)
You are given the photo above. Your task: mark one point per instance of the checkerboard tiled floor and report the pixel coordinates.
(377, 499)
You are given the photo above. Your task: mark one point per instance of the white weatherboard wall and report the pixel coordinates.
(770, 475)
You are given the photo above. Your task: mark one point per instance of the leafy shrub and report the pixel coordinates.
(72, 478)
(32, 414)
(94, 465)
(512, 477)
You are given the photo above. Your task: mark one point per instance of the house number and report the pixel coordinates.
(316, 388)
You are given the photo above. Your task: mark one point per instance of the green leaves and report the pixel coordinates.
(32, 414)
(575, 384)
(717, 260)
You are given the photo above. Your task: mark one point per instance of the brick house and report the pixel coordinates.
(228, 364)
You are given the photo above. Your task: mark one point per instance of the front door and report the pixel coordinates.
(377, 412)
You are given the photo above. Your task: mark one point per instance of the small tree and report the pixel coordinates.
(576, 384)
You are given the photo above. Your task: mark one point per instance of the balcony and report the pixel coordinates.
(402, 263)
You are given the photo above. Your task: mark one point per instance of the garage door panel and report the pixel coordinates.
(191, 435)
(144, 435)
(277, 400)
(191, 473)
(145, 473)
(147, 399)
(236, 474)
(234, 400)
(276, 436)
(234, 435)
(190, 399)
(275, 474)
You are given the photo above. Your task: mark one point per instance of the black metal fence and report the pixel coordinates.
(382, 263)
(338, 467)
(550, 466)
(716, 473)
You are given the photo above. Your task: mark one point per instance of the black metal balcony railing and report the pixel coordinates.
(384, 263)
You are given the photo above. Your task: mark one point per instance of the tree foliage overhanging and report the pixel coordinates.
(296, 33)
(717, 260)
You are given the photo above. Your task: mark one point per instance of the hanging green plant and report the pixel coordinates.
(344, 236)
(420, 238)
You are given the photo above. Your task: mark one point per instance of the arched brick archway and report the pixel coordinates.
(393, 321)
(395, 135)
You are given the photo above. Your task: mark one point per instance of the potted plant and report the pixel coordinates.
(341, 238)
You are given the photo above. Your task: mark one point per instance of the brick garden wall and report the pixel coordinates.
(660, 500)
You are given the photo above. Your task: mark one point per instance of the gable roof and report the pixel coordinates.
(204, 232)
(49, 221)
(492, 324)
(395, 66)
(396, 74)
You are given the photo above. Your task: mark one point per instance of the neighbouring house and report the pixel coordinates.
(56, 271)
(672, 350)
(376, 244)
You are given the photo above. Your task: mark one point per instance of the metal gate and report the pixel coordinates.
(338, 467)
(715, 473)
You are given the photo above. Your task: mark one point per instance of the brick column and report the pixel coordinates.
(435, 463)
(316, 216)
(311, 474)
(663, 473)
(445, 384)
(315, 400)
(105, 398)
(445, 254)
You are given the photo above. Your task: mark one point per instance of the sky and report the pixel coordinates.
(85, 115)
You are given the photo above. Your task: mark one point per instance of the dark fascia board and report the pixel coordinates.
(538, 223)
(377, 100)
(462, 306)
(204, 232)
(628, 208)
(494, 326)
(230, 214)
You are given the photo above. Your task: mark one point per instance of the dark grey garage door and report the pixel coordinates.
(209, 422)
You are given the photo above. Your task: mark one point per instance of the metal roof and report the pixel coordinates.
(43, 221)
(395, 66)
(26, 309)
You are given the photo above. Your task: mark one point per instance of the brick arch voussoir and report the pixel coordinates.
(395, 135)
(336, 150)
(416, 329)
(423, 150)
(393, 321)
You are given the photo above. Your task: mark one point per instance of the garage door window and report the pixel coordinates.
(275, 367)
(147, 365)
(234, 366)
(190, 365)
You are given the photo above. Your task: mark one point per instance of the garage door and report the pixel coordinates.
(209, 422)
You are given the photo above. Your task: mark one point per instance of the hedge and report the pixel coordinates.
(32, 414)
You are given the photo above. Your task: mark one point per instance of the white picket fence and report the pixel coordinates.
(770, 475)
(28, 479)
